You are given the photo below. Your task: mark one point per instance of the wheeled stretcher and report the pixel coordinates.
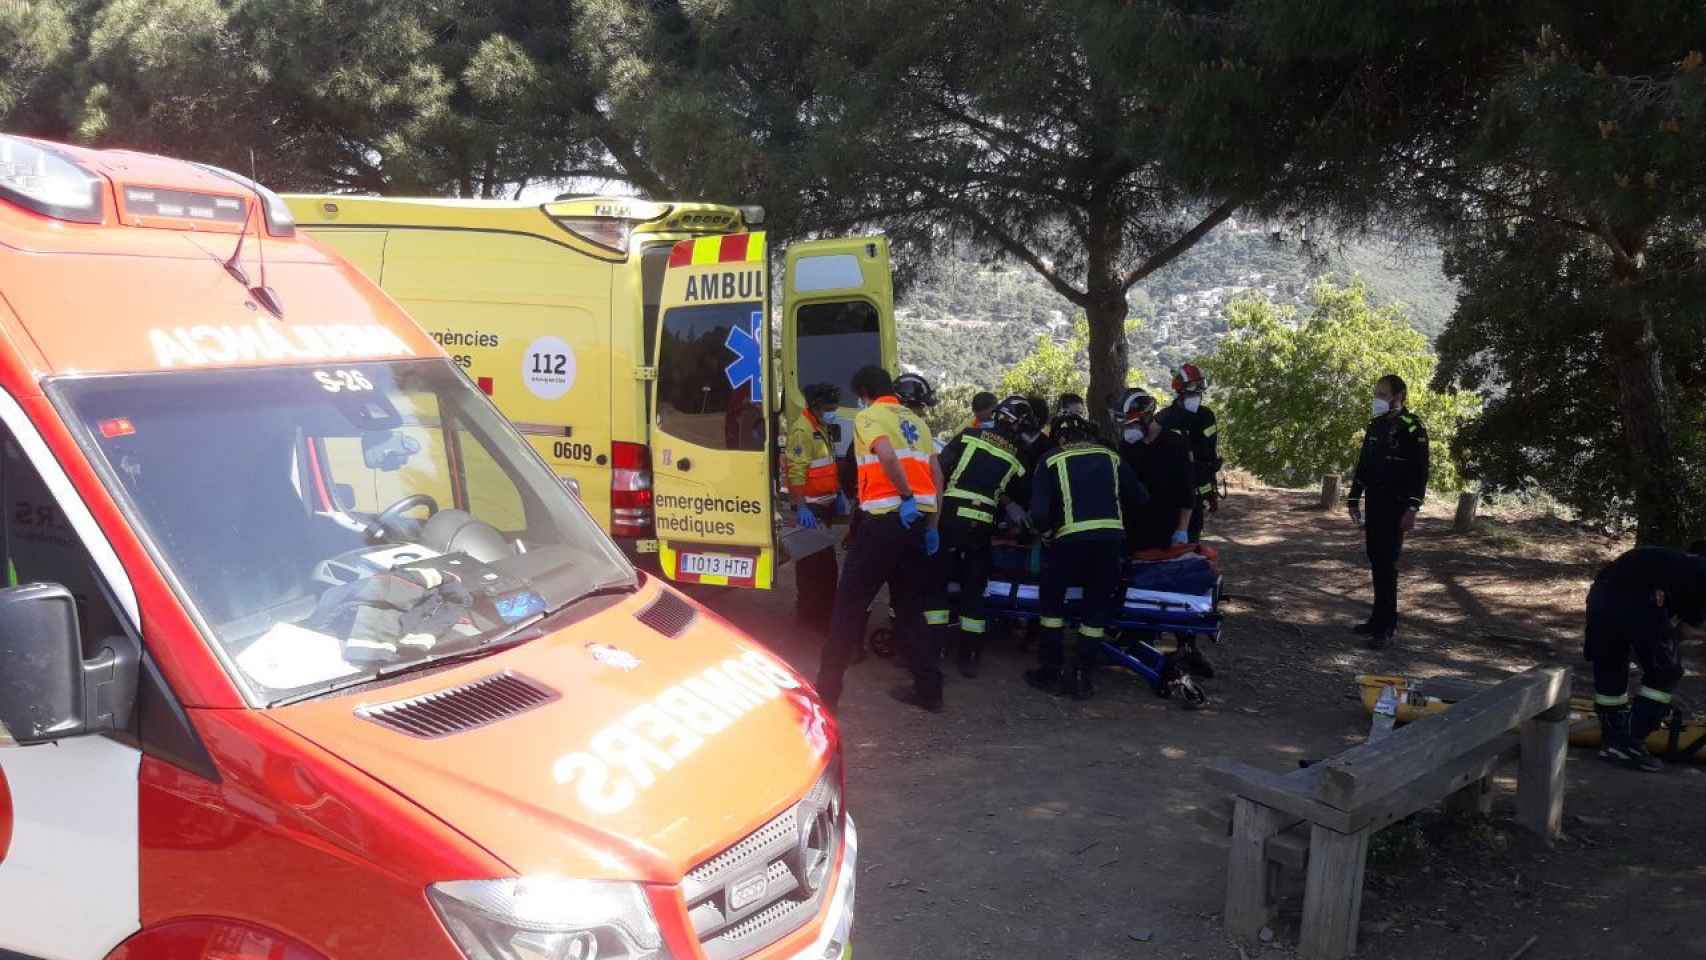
(1175, 591)
(1171, 591)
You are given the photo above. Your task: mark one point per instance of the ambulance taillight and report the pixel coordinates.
(630, 490)
(42, 180)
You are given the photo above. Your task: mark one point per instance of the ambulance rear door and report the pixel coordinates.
(837, 316)
(711, 415)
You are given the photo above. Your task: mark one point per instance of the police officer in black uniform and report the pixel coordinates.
(1639, 606)
(1393, 471)
(1187, 416)
(1080, 496)
(1161, 460)
(981, 469)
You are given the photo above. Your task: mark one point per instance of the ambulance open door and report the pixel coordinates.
(712, 410)
(837, 316)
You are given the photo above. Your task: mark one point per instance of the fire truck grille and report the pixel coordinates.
(772, 882)
(459, 709)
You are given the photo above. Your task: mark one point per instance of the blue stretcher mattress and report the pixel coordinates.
(1177, 596)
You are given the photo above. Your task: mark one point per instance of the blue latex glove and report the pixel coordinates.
(932, 541)
(909, 514)
(842, 507)
(806, 518)
(1180, 538)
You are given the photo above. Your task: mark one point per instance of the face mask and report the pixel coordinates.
(1381, 407)
(862, 403)
(1193, 403)
(827, 416)
(1131, 434)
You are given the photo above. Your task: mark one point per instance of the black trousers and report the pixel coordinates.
(1198, 512)
(814, 580)
(1385, 540)
(1622, 626)
(1092, 565)
(965, 559)
(882, 552)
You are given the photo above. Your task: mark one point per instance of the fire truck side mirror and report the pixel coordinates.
(48, 691)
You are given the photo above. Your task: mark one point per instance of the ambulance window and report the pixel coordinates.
(833, 340)
(710, 369)
(375, 488)
(40, 546)
(492, 495)
(654, 262)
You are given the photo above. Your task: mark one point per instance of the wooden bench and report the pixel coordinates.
(1318, 819)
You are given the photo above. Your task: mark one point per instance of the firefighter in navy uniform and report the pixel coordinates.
(1080, 497)
(1392, 471)
(981, 469)
(814, 493)
(1187, 416)
(1161, 461)
(1640, 606)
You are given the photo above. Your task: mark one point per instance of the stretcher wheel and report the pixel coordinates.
(1191, 695)
(882, 642)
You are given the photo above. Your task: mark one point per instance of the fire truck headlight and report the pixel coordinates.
(549, 918)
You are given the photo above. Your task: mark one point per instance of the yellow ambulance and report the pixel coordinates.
(632, 342)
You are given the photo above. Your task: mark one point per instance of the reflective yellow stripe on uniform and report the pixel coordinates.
(1657, 696)
(1094, 633)
(982, 516)
(1211, 430)
(1601, 700)
(1069, 525)
(1050, 623)
(936, 618)
(1206, 488)
(973, 446)
(969, 625)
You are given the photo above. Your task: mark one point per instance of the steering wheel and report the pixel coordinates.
(386, 521)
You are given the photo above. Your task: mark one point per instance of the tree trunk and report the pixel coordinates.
(1644, 402)
(1106, 312)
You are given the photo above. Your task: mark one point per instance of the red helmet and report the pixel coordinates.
(1189, 379)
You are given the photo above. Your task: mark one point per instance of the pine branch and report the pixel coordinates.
(1184, 242)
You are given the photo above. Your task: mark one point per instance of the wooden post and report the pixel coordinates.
(1475, 799)
(1467, 502)
(1332, 893)
(1249, 882)
(1329, 491)
(1540, 771)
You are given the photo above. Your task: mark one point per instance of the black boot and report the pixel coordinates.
(1617, 743)
(971, 654)
(1083, 683)
(1046, 679)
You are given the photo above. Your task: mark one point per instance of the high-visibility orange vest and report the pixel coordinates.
(913, 446)
(811, 461)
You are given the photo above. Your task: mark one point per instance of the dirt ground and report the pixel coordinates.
(1019, 824)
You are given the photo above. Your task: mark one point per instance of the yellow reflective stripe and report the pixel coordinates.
(982, 444)
(1657, 696)
(755, 247)
(982, 515)
(823, 462)
(1109, 523)
(974, 497)
(707, 250)
(1211, 430)
(1094, 633)
(1065, 489)
(1206, 488)
(879, 503)
(1601, 700)
(1050, 623)
(936, 618)
(970, 625)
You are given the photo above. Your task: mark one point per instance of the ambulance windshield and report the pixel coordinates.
(333, 523)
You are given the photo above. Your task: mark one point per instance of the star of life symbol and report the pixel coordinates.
(910, 432)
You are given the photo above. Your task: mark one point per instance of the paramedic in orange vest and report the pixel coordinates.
(898, 481)
(814, 491)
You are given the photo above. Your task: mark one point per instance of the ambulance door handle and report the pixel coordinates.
(685, 464)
